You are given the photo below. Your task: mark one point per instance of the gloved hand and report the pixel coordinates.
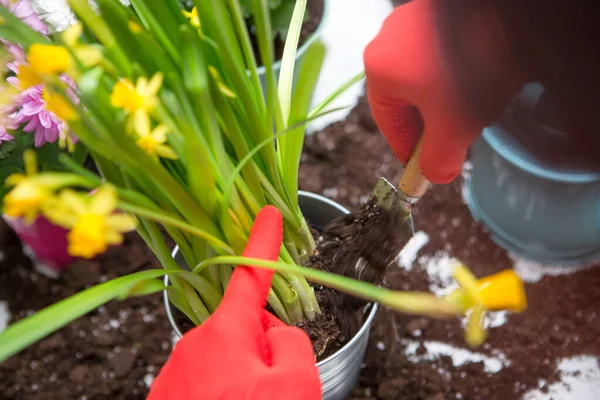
(422, 78)
(240, 352)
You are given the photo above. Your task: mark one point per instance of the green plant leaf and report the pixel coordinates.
(288, 61)
(31, 329)
(290, 146)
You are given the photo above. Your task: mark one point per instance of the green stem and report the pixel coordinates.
(276, 305)
(164, 256)
(288, 297)
(164, 218)
(420, 303)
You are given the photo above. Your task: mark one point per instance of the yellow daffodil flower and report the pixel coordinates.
(193, 17)
(501, 291)
(57, 104)
(92, 220)
(47, 59)
(142, 96)
(26, 198)
(153, 142)
(137, 101)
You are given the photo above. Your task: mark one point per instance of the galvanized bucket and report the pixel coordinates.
(339, 372)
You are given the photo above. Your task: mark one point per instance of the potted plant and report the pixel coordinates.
(174, 114)
(32, 125)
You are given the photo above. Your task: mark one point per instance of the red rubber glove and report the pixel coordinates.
(414, 87)
(238, 353)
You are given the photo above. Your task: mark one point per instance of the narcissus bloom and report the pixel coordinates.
(501, 291)
(26, 198)
(153, 143)
(193, 17)
(92, 220)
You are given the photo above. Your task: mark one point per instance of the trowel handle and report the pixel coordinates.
(412, 182)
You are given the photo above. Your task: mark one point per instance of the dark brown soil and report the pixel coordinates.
(325, 331)
(343, 162)
(314, 14)
(111, 353)
(561, 320)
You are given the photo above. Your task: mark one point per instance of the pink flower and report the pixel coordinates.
(22, 9)
(4, 136)
(14, 50)
(32, 112)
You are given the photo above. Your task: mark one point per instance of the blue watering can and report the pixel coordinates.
(535, 186)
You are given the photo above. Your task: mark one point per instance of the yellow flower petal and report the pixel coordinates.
(48, 59)
(25, 199)
(87, 238)
(28, 77)
(57, 104)
(125, 96)
(104, 201)
(503, 291)
(141, 123)
(71, 36)
(166, 152)
(148, 144)
(14, 179)
(193, 17)
(154, 85)
(160, 133)
(121, 222)
(89, 55)
(73, 201)
(59, 213)
(112, 236)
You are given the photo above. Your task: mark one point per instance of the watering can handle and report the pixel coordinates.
(412, 182)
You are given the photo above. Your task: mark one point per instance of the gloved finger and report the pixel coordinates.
(270, 321)
(291, 347)
(447, 139)
(401, 124)
(246, 294)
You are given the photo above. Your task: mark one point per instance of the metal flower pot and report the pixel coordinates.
(339, 372)
(534, 207)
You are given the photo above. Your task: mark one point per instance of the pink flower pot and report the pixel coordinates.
(47, 242)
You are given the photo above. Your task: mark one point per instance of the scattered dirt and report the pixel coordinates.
(314, 14)
(561, 320)
(113, 352)
(343, 162)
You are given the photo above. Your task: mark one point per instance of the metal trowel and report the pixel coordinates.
(397, 202)
(369, 240)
